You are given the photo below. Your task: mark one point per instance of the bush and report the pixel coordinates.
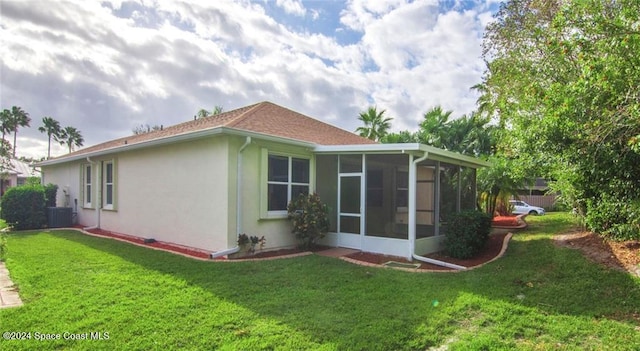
(614, 218)
(467, 233)
(3, 247)
(50, 193)
(310, 218)
(23, 207)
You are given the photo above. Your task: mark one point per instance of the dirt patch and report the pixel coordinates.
(624, 255)
(490, 251)
(278, 253)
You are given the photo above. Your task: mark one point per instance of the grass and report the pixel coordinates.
(537, 297)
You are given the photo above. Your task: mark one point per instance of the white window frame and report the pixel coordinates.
(278, 214)
(87, 185)
(105, 205)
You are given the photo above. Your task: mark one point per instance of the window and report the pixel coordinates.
(86, 173)
(287, 178)
(108, 185)
(402, 189)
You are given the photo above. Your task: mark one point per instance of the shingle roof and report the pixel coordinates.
(263, 118)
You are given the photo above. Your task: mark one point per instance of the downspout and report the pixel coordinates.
(238, 202)
(412, 218)
(93, 171)
(412, 199)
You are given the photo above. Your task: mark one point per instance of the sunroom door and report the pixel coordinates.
(350, 210)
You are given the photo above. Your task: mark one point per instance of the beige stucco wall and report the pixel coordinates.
(185, 193)
(67, 177)
(277, 231)
(174, 193)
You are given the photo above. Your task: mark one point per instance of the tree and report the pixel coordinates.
(145, 128)
(433, 128)
(5, 122)
(205, 113)
(376, 126)
(53, 129)
(71, 137)
(19, 118)
(403, 136)
(469, 135)
(563, 77)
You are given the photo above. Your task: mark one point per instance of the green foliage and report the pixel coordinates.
(562, 78)
(23, 207)
(617, 219)
(52, 128)
(467, 233)
(50, 193)
(404, 136)
(33, 181)
(497, 183)
(376, 126)
(244, 240)
(71, 137)
(469, 135)
(3, 247)
(310, 219)
(526, 300)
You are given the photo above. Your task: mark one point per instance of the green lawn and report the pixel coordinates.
(536, 297)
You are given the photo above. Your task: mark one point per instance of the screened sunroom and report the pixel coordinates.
(393, 199)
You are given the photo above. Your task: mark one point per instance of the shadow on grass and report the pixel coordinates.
(369, 308)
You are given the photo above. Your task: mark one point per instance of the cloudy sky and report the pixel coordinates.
(106, 67)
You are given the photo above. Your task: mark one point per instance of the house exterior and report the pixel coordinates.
(16, 173)
(538, 194)
(203, 182)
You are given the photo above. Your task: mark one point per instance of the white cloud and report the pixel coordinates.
(107, 67)
(292, 7)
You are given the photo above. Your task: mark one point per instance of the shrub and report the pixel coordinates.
(310, 219)
(244, 240)
(23, 207)
(50, 193)
(467, 233)
(614, 218)
(3, 247)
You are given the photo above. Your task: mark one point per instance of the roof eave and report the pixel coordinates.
(129, 147)
(412, 148)
(367, 148)
(174, 139)
(453, 157)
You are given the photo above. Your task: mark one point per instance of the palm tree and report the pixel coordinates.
(202, 113)
(19, 118)
(205, 113)
(217, 110)
(433, 129)
(5, 121)
(53, 129)
(401, 137)
(375, 125)
(71, 137)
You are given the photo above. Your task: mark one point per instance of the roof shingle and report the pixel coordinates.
(263, 118)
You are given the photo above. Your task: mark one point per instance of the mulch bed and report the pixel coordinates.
(490, 251)
(623, 255)
(505, 221)
(157, 244)
(280, 252)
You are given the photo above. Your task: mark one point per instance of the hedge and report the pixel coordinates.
(23, 207)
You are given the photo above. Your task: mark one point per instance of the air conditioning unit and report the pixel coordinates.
(59, 217)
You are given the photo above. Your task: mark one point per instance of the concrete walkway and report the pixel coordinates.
(8, 295)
